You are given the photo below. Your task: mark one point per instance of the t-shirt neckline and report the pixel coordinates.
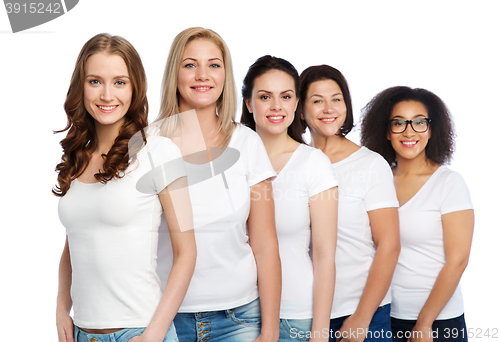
(428, 181)
(288, 162)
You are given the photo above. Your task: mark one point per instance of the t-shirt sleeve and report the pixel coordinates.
(456, 195)
(380, 191)
(259, 167)
(320, 173)
(167, 162)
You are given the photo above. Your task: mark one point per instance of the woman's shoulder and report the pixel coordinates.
(244, 136)
(241, 130)
(367, 157)
(312, 154)
(446, 175)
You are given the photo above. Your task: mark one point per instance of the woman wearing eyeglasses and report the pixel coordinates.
(413, 130)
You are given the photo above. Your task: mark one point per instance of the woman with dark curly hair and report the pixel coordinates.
(413, 130)
(368, 235)
(111, 226)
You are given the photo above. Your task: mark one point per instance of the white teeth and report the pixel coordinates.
(409, 142)
(107, 107)
(204, 88)
(328, 120)
(275, 117)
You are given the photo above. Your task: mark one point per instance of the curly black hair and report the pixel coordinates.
(375, 122)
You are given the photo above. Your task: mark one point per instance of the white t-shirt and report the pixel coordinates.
(308, 172)
(422, 250)
(225, 275)
(112, 232)
(365, 184)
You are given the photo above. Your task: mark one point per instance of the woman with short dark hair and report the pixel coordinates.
(368, 235)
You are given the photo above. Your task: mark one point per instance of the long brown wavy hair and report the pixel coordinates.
(80, 141)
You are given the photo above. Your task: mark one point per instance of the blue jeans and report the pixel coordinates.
(443, 330)
(292, 330)
(379, 329)
(241, 324)
(123, 335)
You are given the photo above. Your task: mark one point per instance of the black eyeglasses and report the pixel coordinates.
(419, 125)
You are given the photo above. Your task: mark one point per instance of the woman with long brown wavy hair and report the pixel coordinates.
(108, 266)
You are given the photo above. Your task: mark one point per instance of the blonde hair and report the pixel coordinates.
(226, 104)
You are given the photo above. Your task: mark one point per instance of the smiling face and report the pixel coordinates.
(324, 108)
(409, 144)
(273, 102)
(201, 75)
(107, 90)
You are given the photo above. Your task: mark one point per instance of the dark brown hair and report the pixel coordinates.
(377, 113)
(325, 72)
(80, 140)
(261, 66)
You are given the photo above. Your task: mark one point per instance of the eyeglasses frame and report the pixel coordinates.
(411, 124)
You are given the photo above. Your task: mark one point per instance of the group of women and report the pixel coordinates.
(281, 241)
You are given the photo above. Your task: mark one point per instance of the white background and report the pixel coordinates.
(448, 47)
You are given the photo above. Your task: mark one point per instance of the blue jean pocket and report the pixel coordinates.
(126, 334)
(295, 330)
(248, 314)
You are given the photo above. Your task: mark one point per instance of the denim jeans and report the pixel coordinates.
(443, 330)
(295, 330)
(241, 324)
(123, 335)
(379, 329)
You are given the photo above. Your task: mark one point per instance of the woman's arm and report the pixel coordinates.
(64, 322)
(457, 238)
(323, 209)
(264, 243)
(384, 224)
(184, 250)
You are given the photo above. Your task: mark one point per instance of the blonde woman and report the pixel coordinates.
(222, 302)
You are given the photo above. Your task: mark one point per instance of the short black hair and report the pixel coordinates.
(326, 72)
(375, 122)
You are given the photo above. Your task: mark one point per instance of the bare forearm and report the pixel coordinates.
(323, 289)
(269, 280)
(442, 291)
(378, 281)
(173, 295)
(64, 302)
(457, 239)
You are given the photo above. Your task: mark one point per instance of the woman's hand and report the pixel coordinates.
(353, 329)
(64, 324)
(421, 333)
(143, 338)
